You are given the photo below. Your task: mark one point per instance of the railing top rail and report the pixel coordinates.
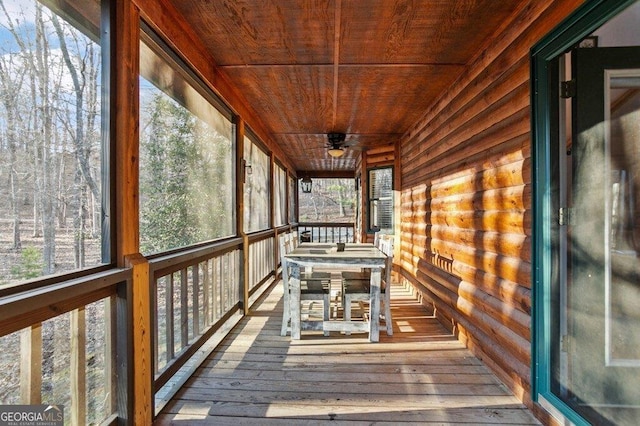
(49, 280)
(325, 224)
(175, 261)
(31, 306)
(261, 235)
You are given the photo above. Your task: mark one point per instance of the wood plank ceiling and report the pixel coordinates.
(367, 68)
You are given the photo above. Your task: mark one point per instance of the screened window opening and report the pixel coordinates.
(51, 140)
(186, 158)
(292, 199)
(380, 201)
(280, 196)
(256, 188)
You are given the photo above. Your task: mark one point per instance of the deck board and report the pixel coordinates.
(420, 375)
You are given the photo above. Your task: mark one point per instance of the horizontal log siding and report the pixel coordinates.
(466, 225)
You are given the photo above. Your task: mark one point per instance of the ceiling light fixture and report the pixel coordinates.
(336, 152)
(306, 184)
(335, 145)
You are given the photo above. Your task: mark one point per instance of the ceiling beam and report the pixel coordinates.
(327, 174)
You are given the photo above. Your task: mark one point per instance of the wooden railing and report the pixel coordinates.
(261, 259)
(327, 232)
(193, 293)
(66, 337)
(68, 343)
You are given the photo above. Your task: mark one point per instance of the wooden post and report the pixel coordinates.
(142, 350)
(125, 71)
(397, 198)
(364, 185)
(240, 181)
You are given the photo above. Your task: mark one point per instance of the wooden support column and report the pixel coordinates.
(240, 181)
(125, 70)
(397, 200)
(364, 190)
(142, 351)
(272, 220)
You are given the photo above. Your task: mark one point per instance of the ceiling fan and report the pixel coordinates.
(336, 144)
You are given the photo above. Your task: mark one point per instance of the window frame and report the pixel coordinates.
(107, 174)
(370, 199)
(173, 59)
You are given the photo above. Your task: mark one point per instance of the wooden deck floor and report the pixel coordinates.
(420, 375)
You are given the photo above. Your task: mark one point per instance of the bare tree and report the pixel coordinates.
(82, 70)
(10, 88)
(36, 56)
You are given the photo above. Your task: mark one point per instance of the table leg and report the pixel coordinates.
(374, 306)
(294, 302)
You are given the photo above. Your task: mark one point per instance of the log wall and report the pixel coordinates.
(466, 226)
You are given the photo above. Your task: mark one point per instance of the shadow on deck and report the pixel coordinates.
(420, 375)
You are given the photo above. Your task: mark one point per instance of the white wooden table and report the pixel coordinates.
(326, 256)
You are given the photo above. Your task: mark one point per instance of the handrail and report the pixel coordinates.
(23, 309)
(49, 280)
(82, 305)
(327, 232)
(177, 260)
(325, 224)
(260, 235)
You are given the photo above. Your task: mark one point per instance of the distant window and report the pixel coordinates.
(187, 164)
(292, 199)
(280, 196)
(330, 200)
(50, 140)
(256, 189)
(380, 199)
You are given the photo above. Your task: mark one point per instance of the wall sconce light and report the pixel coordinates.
(306, 184)
(247, 170)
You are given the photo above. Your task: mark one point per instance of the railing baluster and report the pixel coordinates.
(169, 317)
(216, 288)
(31, 364)
(196, 299)
(184, 309)
(77, 368)
(110, 352)
(220, 287)
(155, 306)
(206, 294)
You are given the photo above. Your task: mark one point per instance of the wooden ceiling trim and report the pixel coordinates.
(488, 68)
(242, 32)
(499, 87)
(336, 62)
(501, 40)
(407, 31)
(370, 96)
(164, 18)
(325, 174)
(296, 96)
(386, 63)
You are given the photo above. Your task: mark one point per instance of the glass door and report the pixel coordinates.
(602, 227)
